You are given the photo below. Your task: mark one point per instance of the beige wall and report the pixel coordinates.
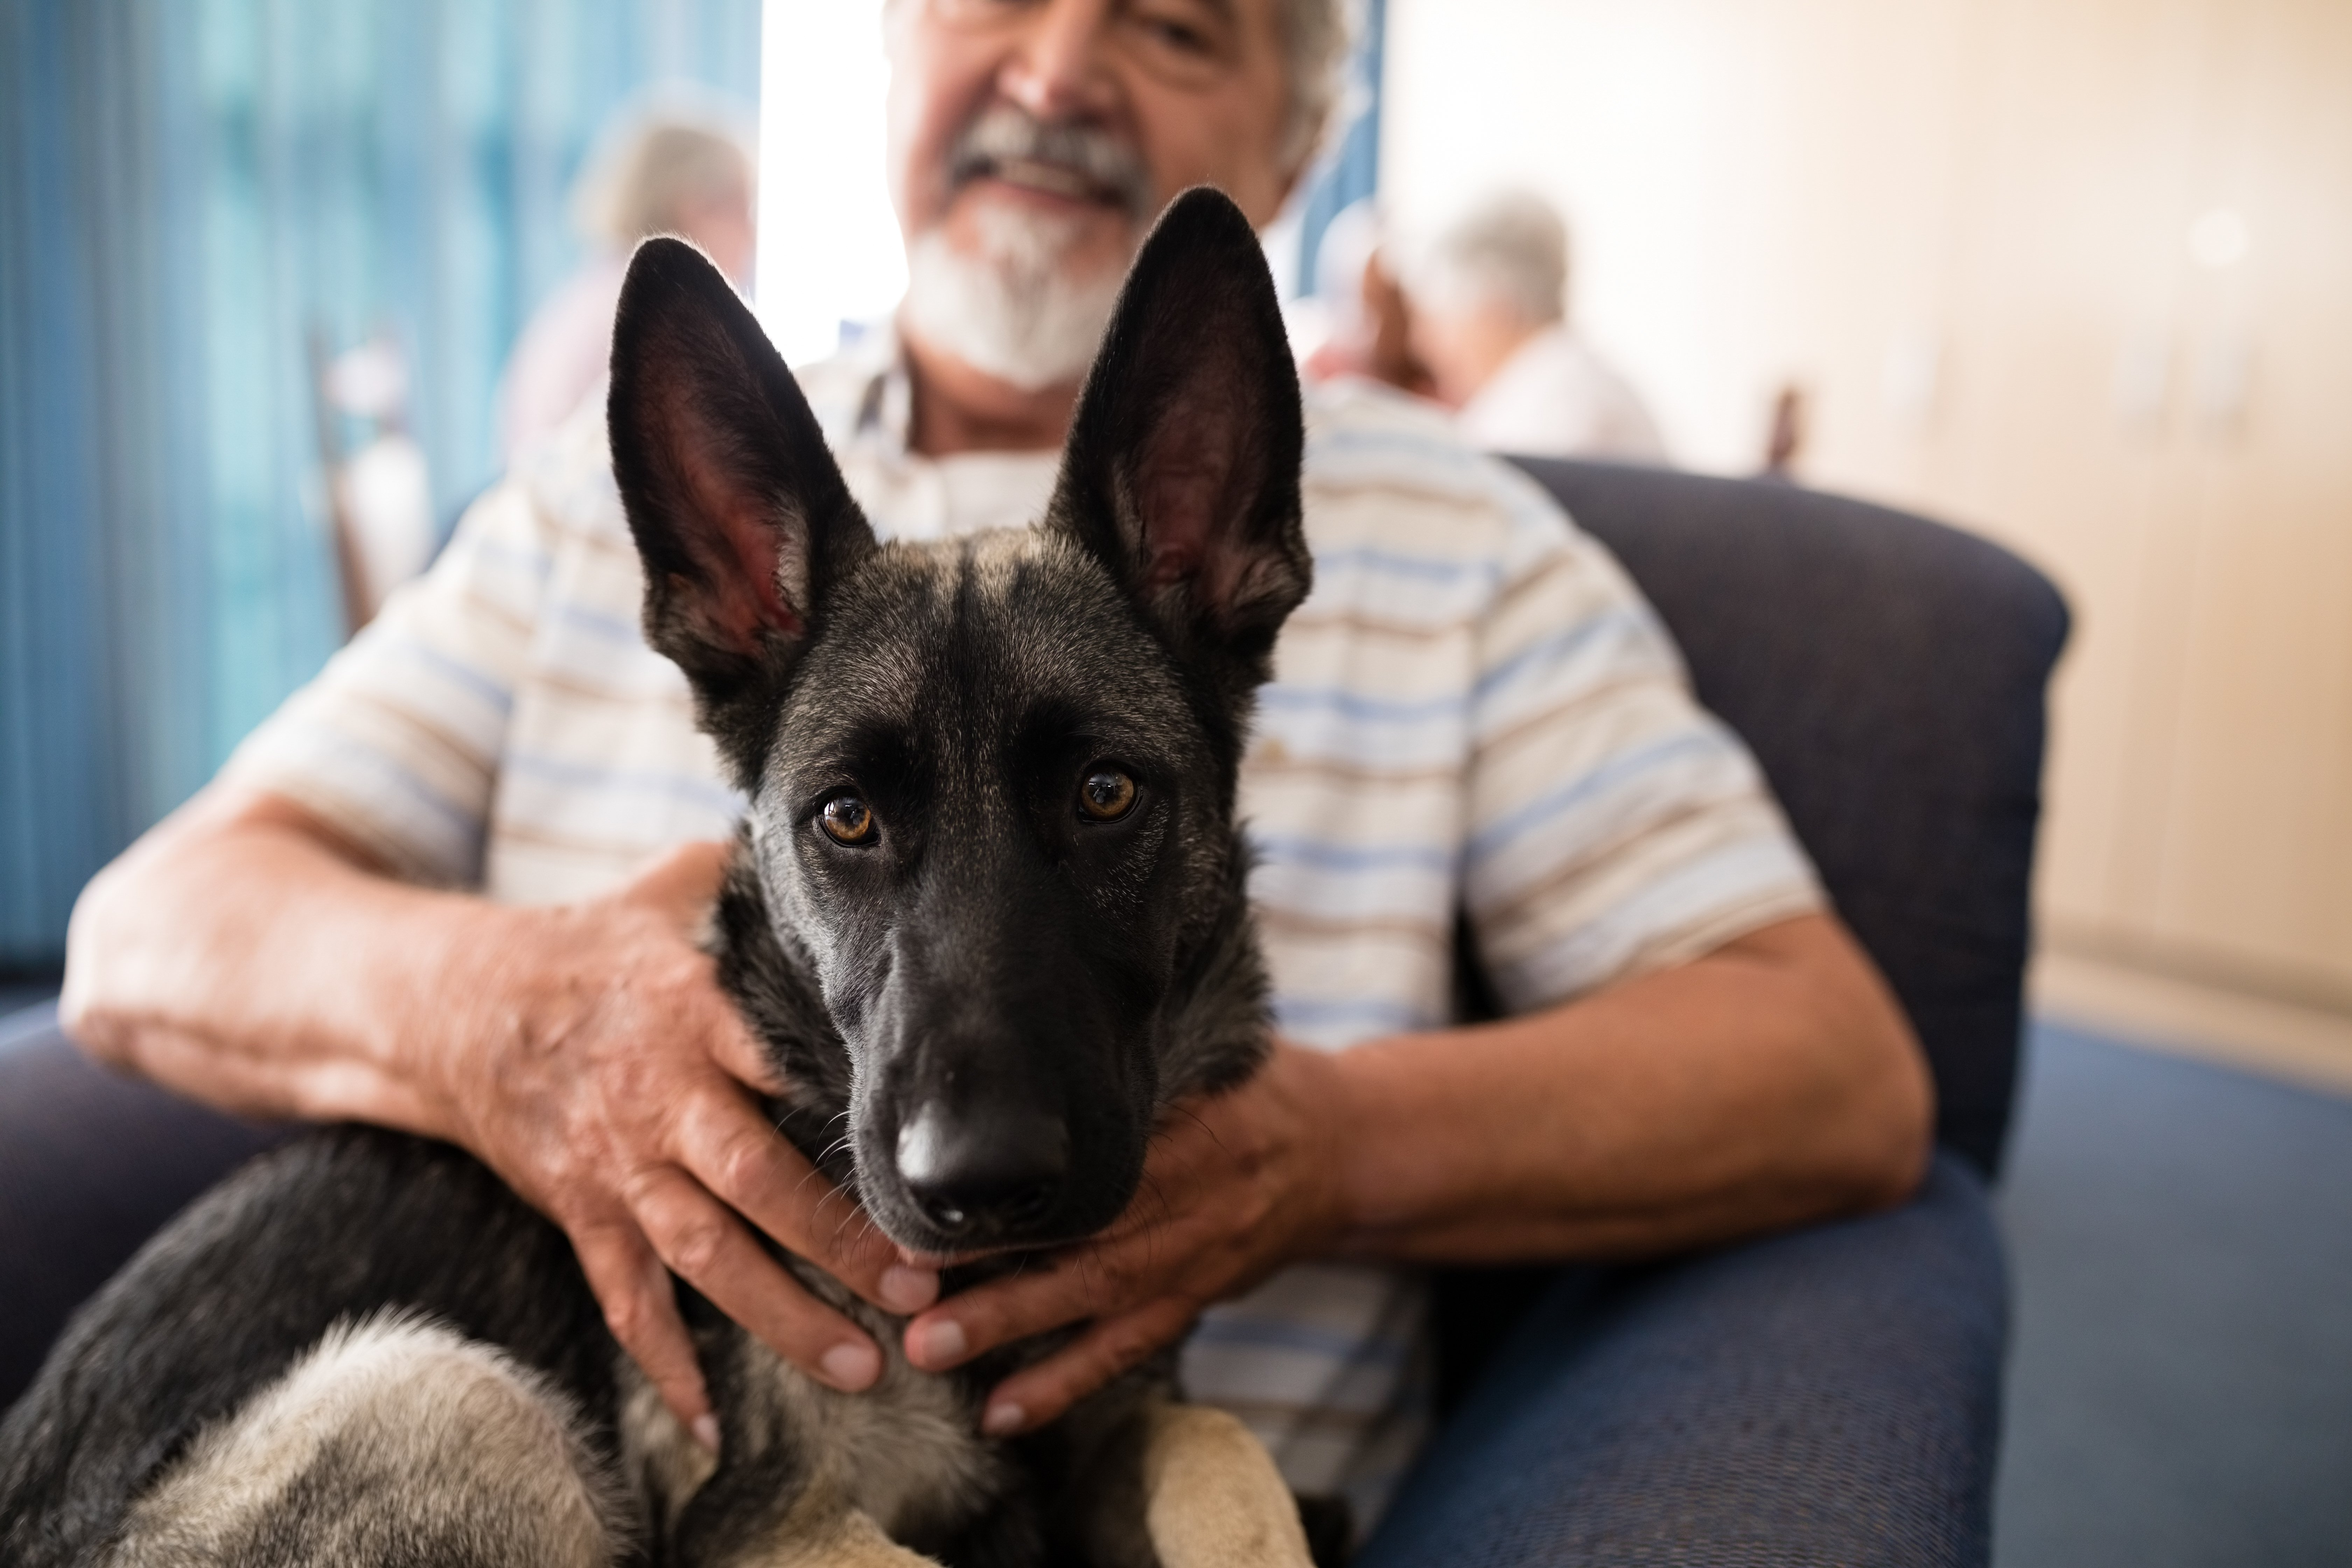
(1964, 226)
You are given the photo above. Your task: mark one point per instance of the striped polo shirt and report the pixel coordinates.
(1474, 711)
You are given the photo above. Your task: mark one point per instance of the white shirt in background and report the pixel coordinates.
(562, 356)
(1556, 398)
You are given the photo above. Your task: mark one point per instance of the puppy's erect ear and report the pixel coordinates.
(737, 509)
(1181, 473)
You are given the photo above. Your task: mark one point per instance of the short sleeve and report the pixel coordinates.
(397, 743)
(1614, 827)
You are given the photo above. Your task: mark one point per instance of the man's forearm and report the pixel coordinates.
(1769, 1083)
(242, 956)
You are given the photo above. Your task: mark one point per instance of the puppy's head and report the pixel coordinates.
(991, 780)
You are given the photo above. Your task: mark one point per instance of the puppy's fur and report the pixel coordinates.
(988, 916)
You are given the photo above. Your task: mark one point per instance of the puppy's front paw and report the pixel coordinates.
(1213, 1498)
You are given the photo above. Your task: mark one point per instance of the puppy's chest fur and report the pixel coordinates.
(908, 1452)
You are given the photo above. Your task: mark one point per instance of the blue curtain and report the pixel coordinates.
(1353, 170)
(187, 189)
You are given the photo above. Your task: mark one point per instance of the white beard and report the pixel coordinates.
(1012, 312)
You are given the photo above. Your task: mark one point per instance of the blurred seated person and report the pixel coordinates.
(673, 164)
(1365, 327)
(1489, 320)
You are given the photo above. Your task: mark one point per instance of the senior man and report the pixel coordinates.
(453, 886)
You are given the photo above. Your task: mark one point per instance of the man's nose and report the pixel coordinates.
(989, 1167)
(1056, 71)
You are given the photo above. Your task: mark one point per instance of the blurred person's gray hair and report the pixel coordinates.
(1511, 250)
(675, 147)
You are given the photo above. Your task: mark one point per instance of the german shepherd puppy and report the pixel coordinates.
(987, 911)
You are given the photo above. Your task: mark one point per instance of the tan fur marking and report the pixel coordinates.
(826, 1534)
(478, 1450)
(903, 1448)
(1213, 1498)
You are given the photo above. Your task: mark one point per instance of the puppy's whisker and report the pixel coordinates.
(1149, 1232)
(1194, 1117)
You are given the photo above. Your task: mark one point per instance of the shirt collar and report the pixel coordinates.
(861, 395)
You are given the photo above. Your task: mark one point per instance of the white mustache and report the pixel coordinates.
(1002, 135)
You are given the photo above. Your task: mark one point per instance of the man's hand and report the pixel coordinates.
(603, 1076)
(1234, 1188)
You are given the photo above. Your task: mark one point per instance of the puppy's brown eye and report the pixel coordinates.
(847, 820)
(1107, 794)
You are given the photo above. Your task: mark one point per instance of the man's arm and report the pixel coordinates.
(246, 954)
(1771, 1082)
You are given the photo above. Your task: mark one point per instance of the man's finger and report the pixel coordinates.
(640, 1308)
(725, 1143)
(702, 1241)
(1047, 1293)
(741, 1058)
(1036, 1395)
(685, 878)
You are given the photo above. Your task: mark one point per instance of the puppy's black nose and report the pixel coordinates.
(985, 1169)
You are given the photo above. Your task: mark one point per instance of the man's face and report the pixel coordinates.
(1036, 140)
